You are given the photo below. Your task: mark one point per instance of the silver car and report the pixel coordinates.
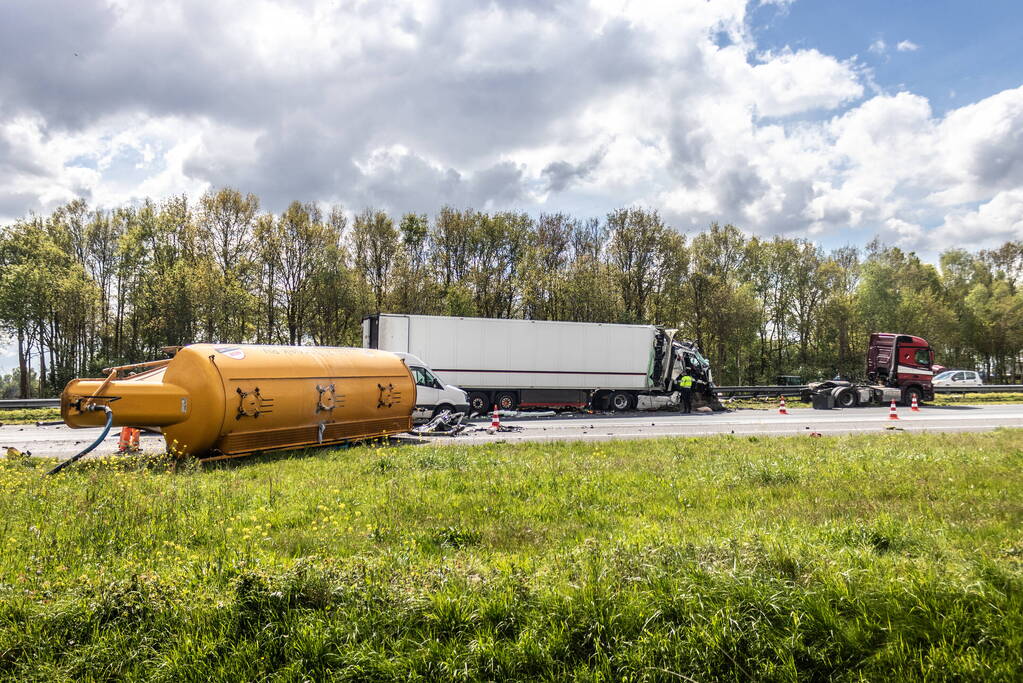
(958, 378)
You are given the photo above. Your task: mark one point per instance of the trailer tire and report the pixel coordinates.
(506, 400)
(478, 402)
(621, 401)
(845, 399)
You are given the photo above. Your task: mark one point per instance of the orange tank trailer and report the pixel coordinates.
(218, 401)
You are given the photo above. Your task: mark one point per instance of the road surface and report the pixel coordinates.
(62, 442)
(960, 418)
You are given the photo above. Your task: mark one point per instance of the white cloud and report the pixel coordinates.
(991, 224)
(982, 149)
(907, 46)
(579, 106)
(795, 82)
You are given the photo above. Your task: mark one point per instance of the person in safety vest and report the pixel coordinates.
(685, 390)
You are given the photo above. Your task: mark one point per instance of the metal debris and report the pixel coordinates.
(445, 423)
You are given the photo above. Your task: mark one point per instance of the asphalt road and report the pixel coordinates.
(61, 441)
(964, 418)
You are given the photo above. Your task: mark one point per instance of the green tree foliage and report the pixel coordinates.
(83, 289)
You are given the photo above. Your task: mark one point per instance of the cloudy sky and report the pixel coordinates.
(833, 120)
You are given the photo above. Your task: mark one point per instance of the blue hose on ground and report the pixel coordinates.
(98, 441)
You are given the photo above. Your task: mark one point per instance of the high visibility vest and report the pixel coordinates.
(685, 381)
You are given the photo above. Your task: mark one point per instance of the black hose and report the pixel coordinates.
(98, 441)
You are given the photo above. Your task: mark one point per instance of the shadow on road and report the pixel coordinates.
(930, 408)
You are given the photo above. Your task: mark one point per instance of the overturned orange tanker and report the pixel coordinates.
(220, 401)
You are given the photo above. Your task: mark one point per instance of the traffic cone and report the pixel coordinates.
(914, 406)
(781, 407)
(892, 413)
(495, 421)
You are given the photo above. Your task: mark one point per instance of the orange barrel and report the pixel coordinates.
(220, 401)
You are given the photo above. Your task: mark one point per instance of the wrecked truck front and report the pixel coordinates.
(690, 358)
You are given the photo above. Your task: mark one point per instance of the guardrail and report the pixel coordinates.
(19, 403)
(985, 389)
(753, 392)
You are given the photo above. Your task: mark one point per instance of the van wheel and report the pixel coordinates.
(506, 401)
(440, 409)
(620, 401)
(478, 403)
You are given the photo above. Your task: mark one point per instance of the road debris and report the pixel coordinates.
(15, 454)
(445, 423)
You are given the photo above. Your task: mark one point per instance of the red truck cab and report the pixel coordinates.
(902, 361)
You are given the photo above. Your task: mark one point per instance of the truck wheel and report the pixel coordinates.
(506, 401)
(620, 401)
(908, 394)
(845, 399)
(478, 403)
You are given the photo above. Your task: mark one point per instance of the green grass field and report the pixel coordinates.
(847, 558)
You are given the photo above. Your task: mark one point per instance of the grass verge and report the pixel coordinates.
(29, 415)
(972, 399)
(724, 558)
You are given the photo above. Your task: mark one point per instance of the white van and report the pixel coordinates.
(432, 395)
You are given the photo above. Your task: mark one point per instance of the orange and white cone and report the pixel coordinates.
(781, 407)
(914, 406)
(892, 413)
(495, 421)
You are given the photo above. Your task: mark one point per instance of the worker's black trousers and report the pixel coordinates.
(686, 396)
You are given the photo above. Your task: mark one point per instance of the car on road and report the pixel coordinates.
(958, 378)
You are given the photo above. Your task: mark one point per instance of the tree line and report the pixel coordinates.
(82, 289)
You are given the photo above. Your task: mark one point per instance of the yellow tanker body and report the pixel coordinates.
(220, 401)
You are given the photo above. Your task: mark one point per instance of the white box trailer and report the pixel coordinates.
(540, 363)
